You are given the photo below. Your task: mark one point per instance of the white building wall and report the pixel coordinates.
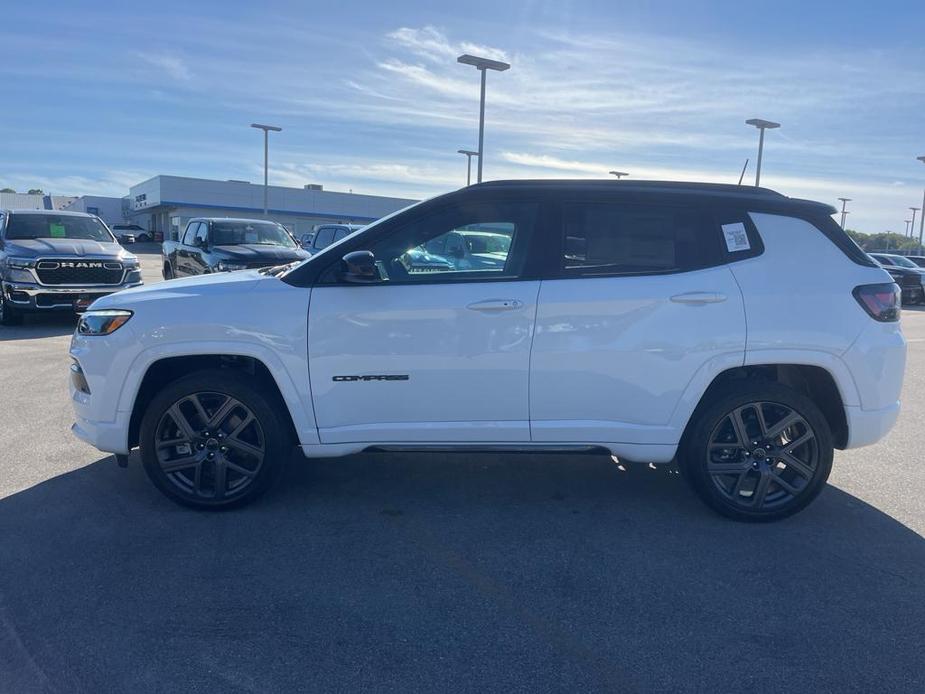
(107, 209)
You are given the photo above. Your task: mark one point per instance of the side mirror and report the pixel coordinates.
(359, 267)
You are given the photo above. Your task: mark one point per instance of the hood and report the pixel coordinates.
(246, 252)
(215, 283)
(37, 248)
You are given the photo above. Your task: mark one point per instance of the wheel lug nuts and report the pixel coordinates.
(211, 456)
(200, 446)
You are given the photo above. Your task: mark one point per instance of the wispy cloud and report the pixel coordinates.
(171, 65)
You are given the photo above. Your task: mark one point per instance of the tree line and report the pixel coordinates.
(32, 191)
(885, 240)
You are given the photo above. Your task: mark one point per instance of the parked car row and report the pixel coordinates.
(909, 275)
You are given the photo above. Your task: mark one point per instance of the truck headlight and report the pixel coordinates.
(228, 267)
(20, 262)
(17, 270)
(102, 322)
(14, 274)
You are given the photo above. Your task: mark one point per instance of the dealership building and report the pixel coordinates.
(166, 203)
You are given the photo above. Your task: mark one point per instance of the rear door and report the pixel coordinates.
(638, 303)
(429, 353)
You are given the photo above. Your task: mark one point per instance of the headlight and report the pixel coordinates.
(102, 322)
(20, 262)
(17, 275)
(130, 262)
(228, 267)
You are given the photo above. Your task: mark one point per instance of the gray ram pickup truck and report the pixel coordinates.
(58, 261)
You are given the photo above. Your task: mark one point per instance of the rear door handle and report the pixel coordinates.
(496, 305)
(699, 298)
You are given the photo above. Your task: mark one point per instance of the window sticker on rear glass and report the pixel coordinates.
(736, 237)
(56, 231)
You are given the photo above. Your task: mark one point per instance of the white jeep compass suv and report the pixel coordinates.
(733, 330)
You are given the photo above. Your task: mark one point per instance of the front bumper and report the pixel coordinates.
(34, 298)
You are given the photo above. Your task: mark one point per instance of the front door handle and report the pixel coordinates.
(496, 305)
(699, 298)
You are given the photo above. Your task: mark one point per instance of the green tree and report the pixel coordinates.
(36, 191)
(7, 190)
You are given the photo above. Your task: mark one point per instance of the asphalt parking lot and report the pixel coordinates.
(445, 572)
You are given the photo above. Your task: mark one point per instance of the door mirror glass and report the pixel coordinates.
(360, 267)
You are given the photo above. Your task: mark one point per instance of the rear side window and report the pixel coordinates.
(739, 235)
(616, 239)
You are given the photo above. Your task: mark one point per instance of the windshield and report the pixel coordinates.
(51, 226)
(252, 233)
(902, 262)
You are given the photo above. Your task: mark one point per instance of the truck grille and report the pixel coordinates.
(62, 272)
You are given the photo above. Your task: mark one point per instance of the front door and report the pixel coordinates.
(430, 353)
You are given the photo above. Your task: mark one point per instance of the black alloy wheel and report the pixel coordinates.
(213, 439)
(759, 455)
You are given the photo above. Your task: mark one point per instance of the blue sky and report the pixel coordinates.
(97, 96)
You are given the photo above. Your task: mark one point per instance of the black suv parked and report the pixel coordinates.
(58, 261)
(224, 244)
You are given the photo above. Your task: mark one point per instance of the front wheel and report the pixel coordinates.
(8, 315)
(213, 439)
(758, 452)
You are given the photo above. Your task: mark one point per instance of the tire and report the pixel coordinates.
(214, 465)
(9, 316)
(769, 481)
(168, 272)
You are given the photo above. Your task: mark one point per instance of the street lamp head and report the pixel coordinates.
(483, 63)
(921, 159)
(845, 199)
(266, 127)
(762, 124)
(619, 174)
(468, 152)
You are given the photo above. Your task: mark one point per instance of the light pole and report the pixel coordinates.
(844, 212)
(469, 154)
(922, 218)
(618, 174)
(482, 65)
(762, 125)
(908, 222)
(912, 228)
(266, 152)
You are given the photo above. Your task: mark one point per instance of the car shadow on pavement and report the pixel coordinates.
(38, 326)
(451, 573)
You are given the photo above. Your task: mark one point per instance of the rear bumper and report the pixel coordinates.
(866, 427)
(36, 298)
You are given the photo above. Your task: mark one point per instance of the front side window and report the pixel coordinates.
(324, 237)
(615, 238)
(50, 226)
(470, 243)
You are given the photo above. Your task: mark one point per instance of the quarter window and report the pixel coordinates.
(609, 239)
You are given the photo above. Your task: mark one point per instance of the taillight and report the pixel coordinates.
(883, 302)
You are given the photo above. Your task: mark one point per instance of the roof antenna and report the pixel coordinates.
(743, 172)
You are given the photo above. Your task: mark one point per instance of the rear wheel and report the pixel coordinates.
(213, 440)
(8, 314)
(758, 452)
